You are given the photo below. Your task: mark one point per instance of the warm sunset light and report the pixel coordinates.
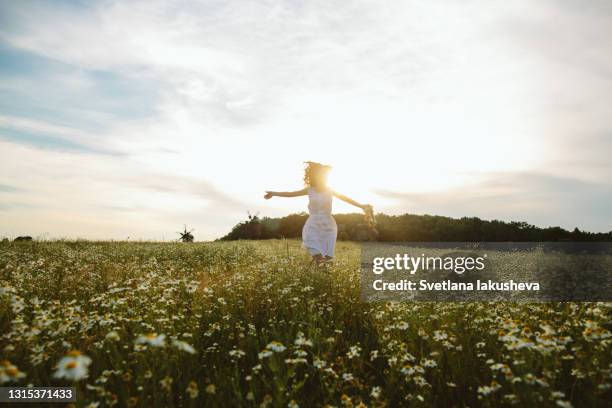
(148, 115)
(305, 203)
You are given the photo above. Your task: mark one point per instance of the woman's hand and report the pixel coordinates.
(269, 195)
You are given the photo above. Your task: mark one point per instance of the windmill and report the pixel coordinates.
(253, 226)
(186, 236)
(253, 218)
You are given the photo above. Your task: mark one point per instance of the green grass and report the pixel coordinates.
(268, 330)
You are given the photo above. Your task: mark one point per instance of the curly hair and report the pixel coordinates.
(314, 172)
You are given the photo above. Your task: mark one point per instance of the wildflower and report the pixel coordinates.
(354, 351)
(331, 372)
(375, 393)
(296, 361)
(317, 363)
(302, 341)
(564, 404)
(132, 402)
(402, 325)
(113, 336)
(486, 389)
(577, 373)
(293, 404)
(183, 346)
(192, 390)
(440, 335)
(429, 363)
(347, 377)
(548, 330)
(511, 397)
(407, 370)
(152, 339)
(166, 383)
(73, 366)
(593, 331)
(276, 347)
(420, 381)
(236, 353)
(9, 372)
(211, 389)
(520, 344)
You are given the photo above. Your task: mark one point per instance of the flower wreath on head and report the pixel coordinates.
(312, 163)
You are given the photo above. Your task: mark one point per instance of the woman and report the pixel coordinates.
(320, 231)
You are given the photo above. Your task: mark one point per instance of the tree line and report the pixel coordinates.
(413, 228)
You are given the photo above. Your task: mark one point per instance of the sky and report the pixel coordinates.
(129, 119)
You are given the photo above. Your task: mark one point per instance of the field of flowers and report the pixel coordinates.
(250, 324)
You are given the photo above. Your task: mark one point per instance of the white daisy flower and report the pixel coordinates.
(73, 367)
(152, 339)
(9, 372)
(183, 346)
(276, 347)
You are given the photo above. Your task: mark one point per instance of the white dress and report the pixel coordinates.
(320, 231)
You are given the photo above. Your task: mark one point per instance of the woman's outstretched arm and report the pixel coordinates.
(270, 194)
(350, 201)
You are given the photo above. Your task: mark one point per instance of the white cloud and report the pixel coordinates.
(67, 194)
(520, 196)
(401, 96)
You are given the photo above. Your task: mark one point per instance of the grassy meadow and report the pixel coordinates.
(249, 324)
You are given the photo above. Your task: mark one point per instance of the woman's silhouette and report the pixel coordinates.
(320, 231)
